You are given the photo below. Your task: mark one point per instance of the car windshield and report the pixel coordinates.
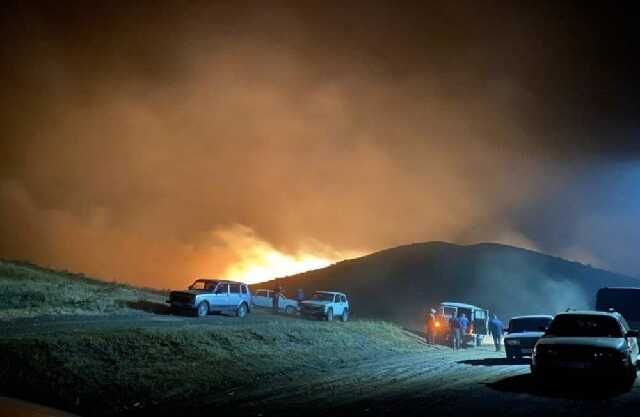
(531, 324)
(582, 325)
(202, 284)
(322, 296)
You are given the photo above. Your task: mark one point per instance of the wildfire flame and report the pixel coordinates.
(256, 260)
(265, 264)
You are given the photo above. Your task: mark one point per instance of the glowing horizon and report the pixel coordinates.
(257, 260)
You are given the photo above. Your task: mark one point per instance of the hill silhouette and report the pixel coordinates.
(400, 283)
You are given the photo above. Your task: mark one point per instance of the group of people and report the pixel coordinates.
(278, 292)
(459, 326)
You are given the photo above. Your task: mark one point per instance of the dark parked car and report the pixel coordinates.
(587, 343)
(523, 333)
(625, 301)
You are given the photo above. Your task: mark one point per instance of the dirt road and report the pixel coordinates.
(438, 382)
(473, 382)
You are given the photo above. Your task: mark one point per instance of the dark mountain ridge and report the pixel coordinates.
(400, 283)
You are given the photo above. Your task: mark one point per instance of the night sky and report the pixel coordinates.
(162, 140)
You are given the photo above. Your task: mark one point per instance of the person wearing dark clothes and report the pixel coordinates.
(276, 298)
(300, 294)
(495, 328)
(454, 325)
(463, 325)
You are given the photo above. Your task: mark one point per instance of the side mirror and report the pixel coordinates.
(632, 333)
(505, 330)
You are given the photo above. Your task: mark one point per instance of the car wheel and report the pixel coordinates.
(345, 315)
(330, 315)
(632, 375)
(242, 310)
(203, 309)
(290, 310)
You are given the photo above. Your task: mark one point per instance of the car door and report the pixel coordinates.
(259, 298)
(220, 297)
(633, 341)
(245, 294)
(480, 322)
(285, 302)
(233, 300)
(338, 305)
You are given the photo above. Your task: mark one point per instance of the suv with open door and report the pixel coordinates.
(478, 322)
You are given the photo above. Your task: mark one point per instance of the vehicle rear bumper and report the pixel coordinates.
(572, 369)
(522, 351)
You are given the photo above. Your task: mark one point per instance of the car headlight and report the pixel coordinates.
(512, 342)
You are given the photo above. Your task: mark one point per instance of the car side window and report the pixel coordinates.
(222, 289)
(343, 299)
(234, 288)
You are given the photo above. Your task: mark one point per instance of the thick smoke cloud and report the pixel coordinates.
(134, 137)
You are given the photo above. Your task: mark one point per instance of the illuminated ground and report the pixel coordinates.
(370, 373)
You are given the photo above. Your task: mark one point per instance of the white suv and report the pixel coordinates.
(327, 305)
(206, 296)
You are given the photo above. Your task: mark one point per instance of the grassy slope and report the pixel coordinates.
(27, 290)
(118, 371)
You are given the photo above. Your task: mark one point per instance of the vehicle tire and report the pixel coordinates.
(631, 375)
(290, 310)
(345, 316)
(329, 315)
(537, 376)
(203, 309)
(241, 311)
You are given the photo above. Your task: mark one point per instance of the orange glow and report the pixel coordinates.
(264, 264)
(437, 324)
(256, 260)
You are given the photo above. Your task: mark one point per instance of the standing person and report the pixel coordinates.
(495, 328)
(277, 290)
(431, 327)
(463, 324)
(300, 294)
(454, 326)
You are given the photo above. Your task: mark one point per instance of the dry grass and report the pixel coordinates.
(117, 371)
(28, 290)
